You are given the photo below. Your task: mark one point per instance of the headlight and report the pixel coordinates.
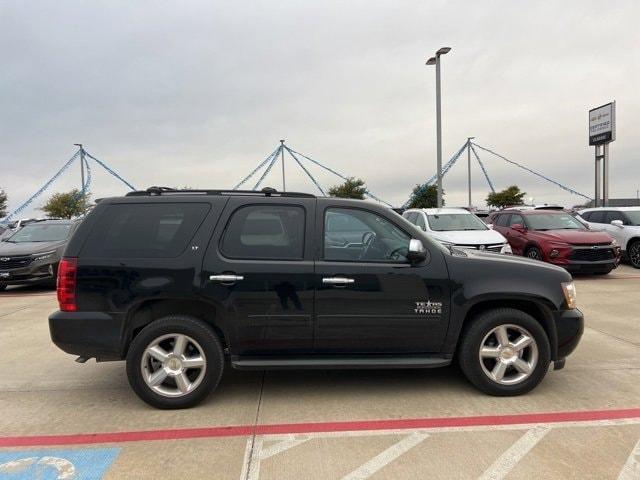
(569, 290)
(43, 256)
(506, 248)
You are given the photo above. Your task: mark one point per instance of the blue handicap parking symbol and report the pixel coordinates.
(68, 464)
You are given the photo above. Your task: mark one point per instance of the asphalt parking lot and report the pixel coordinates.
(65, 420)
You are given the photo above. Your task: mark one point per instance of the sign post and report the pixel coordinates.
(602, 131)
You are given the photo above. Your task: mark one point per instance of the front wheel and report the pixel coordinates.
(534, 253)
(175, 362)
(634, 254)
(505, 352)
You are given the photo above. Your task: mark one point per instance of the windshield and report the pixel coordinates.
(553, 221)
(447, 222)
(41, 233)
(634, 216)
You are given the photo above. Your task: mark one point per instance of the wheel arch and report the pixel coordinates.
(536, 308)
(635, 238)
(149, 310)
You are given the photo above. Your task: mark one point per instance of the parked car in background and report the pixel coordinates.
(31, 255)
(557, 237)
(457, 227)
(622, 223)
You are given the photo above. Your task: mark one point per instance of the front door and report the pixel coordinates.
(369, 298)
(260, 275)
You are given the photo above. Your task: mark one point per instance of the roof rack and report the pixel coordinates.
(265, 192)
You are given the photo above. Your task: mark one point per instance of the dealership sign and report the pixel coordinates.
(602, 124)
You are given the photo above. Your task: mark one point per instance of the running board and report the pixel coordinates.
(304, 363)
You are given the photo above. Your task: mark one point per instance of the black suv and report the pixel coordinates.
(175, 281)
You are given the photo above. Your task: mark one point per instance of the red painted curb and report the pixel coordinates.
(301, 428)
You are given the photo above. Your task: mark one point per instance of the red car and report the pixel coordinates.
(557, 237)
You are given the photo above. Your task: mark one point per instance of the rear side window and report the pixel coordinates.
(411, 217)
(145, 230)
(265, 232)
(597, 216)
(503, 219)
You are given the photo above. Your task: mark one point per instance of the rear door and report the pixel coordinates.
(259, 270)
(369, 298)
(517, 240)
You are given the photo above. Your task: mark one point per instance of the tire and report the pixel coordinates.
(534, 253)
(633, 252)
(175, 385)
(3, 286)
(478, 370)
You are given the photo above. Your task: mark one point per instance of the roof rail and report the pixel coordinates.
(266, 192)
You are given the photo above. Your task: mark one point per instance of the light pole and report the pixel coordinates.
(436, 61)
(469, 166)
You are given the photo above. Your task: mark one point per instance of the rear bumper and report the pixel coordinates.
(87, 334)
(569, 329)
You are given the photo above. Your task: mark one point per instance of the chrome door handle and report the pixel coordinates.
(226, 278)
(337, 281)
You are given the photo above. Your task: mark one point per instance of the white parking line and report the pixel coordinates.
(383, 459)
(631, 469)
(510, 458)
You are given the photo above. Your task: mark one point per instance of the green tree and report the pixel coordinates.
(67, 204)
(425, 196)
(3, 204)
(510, 196)
(351, 188)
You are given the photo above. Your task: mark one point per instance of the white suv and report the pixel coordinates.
(622, 223)
(458, 227)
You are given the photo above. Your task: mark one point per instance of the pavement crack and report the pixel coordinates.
(635, 344)
(247, 473)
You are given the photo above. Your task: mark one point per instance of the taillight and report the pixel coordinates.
(67, 275)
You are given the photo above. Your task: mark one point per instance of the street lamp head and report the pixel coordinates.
(443, 50)
(431, 61)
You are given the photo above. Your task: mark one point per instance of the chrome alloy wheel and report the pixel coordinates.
(508, 354)
(173, 365)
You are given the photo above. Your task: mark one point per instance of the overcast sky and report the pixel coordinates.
(197, 93)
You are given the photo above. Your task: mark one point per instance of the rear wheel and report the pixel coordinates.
(534, 253)
(505, 352)
(175, 362)
(634, 253)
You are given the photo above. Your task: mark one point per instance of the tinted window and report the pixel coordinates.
(614, 215)
(503, 219)
(411, 217)
(597, 216)
(585, 216)
(515, 218)
(420, 222)
(265, 232)
(145, 230)
(360, 235)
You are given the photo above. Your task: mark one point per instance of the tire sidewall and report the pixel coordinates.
(192, 327)
(634, 245)
(473, 336)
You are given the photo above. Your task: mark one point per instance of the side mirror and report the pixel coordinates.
(518, 227)
(617, 223)
(416, 252)
(490, 225)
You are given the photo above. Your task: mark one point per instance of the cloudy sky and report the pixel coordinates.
(197, 93)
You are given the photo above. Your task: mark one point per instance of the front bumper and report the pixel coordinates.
(33, 274)
(87, 334)
(569, 328)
